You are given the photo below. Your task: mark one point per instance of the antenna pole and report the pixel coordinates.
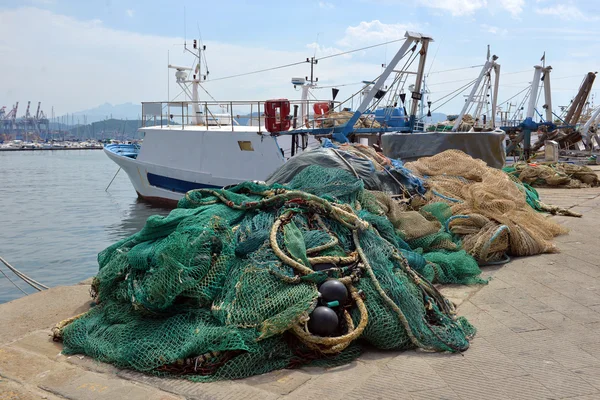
(199, 62)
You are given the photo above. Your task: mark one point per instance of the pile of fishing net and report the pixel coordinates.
(566, 138)
(376, 171)
(307, 268)
(447, 125)
(492, 212)
(554, 174)
(340, 118)
(231, 283)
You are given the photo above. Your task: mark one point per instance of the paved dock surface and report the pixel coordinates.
(538, 324)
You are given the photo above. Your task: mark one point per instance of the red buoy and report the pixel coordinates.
(276, 115)
(321, 109)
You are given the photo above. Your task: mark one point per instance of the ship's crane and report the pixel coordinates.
(580, 100)
(484, 91)
(541, 74)
(565, 133)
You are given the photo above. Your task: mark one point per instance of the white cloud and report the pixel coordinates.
(321, 51)
(456, 7)
(515, 7)
(568, 12)
(374, 32)
(326, 5)
(129, 13)
(493, 29)
(116, 66)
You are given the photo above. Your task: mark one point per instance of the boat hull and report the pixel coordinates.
(173, 161)
(137, 171)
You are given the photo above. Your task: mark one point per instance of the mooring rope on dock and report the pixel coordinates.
(31, 282)
(14, 283)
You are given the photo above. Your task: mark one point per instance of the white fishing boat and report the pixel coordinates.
(208, 144)
(189, 144)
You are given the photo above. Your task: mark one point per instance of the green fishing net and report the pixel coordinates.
(223, 287)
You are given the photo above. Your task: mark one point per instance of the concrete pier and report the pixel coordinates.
(538, 324)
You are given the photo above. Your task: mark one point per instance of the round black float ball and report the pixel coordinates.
(323, 266)
(323, 321)
(333, 290)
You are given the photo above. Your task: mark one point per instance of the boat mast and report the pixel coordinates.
(182, 79)
(411, 38)
(306, 87)
(547, 93)
(196, 81)
(488, 67)
(422, 104)
(535, 86)
(416, 94)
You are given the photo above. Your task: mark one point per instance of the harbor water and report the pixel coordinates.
(55, 215)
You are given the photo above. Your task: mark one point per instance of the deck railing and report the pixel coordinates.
(225, 114)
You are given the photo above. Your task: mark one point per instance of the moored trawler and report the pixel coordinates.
(189, 144)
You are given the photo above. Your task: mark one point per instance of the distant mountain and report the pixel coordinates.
(108, 111)
(436, 117)
(121, 129)
(107, 129)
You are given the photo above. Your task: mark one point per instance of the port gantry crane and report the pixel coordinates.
(41, 119)
(9, 121)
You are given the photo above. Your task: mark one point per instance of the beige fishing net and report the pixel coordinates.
(488, 207)
(342, 117)
(554, 174)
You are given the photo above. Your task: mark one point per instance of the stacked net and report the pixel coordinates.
(446, 126)
(554, 175)
(340, 118)
(491, 211)
(224, 287)
(424, 240)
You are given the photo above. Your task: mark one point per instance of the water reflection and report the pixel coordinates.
(134, 219)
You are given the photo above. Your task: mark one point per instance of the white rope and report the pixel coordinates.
(31, 282)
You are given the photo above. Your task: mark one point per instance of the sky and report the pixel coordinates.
(74, 55)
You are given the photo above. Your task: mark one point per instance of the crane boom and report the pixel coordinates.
(27, 115)
(580, 99)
